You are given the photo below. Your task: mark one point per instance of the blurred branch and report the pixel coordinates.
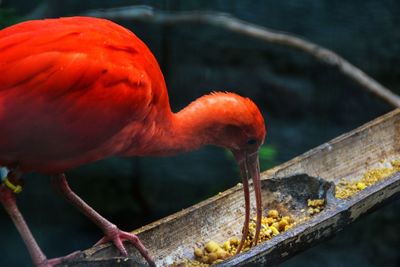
(39, 12)
(228, 22)
(47, 9)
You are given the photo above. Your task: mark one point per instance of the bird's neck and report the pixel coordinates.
(203, 122)
(173, 133)
(180, 132)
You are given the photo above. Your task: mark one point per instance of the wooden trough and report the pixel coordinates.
(286, 188)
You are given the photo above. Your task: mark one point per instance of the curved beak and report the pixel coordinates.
(249, 167)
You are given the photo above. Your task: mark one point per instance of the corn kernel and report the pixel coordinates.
(198, 252)
(227, 245)
(396, 164)
(274, 230)
(287, 227)
(275, 224)
(346, 189)
(213, 253)
(222, 254)
(310, 211)
(269, 220)
(212, 246)
(361, 186)
(205, 259)
(282, 224)
(269, 232)
(234, 241)
(273, 213)
(315, 202)
(212, 256)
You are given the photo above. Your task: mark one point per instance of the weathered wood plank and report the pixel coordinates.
(372, 145)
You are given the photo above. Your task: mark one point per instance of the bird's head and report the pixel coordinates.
(243, 133)
(226, 120)
(236, 123)
(239, 125)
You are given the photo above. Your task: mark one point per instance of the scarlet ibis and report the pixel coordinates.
(79, 89)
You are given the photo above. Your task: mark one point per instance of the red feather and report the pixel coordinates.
(67, 92)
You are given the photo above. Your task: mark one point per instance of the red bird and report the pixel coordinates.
(76, 90)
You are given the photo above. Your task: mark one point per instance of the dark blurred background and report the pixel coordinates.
(304, 103)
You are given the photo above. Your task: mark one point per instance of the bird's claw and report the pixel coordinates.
(117, 237)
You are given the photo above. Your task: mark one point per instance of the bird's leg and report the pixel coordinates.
(111, 231)
(8, 190)
(7, 198)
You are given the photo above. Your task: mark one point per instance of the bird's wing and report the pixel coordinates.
(70, 89)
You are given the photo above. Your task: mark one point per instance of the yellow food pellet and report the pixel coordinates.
(212, 246)
(276, 225)
(269, 232)
(361, 186)
(273, 213)
(282, 224)
(269, 220)
(315, 202)
(346, 189)
(315, 206)
(212, 256)
(213, 253)
(227, 245)
(198, 252)
(287, 227)
(235, 241)
(222, 254)
(204, 259)
(396, 164)
(274, 230)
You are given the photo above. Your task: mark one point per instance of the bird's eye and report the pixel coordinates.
(251, 141)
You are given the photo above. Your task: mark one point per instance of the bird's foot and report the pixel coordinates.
(113, 234)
